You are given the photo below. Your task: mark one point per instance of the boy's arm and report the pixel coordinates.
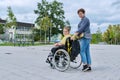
(62, 42)
(58, 44)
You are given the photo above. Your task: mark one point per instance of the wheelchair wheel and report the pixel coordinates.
(61, 60)
(76, 63)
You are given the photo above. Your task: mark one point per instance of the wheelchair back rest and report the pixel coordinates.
(68, 45)
(72, 47)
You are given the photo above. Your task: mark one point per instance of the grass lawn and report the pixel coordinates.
(17, 44)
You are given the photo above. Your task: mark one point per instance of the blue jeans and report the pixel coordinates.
(85, 51)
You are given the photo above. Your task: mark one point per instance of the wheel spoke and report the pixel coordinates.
(64, 60)
(76, 63)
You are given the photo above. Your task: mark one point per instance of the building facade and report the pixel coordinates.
(22, 33)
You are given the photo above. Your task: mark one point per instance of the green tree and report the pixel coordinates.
(97, 37)
(116, 34)
(37, 34)
(108, 35)
(54, 11)
(45, 25)
(112, 34)
(67, 23)
(11, 19)
(1, 28)
(94, 41)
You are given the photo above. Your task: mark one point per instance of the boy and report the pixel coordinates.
(61, 44)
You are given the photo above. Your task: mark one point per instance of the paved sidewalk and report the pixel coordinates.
(28, 63)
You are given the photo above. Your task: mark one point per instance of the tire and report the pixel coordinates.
(77, 63)
(61, 60)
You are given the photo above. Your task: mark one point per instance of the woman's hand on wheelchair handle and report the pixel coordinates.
(73, 37)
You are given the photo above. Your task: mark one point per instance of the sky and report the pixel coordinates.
(100, 12)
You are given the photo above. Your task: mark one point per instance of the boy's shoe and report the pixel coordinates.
(52, 66)
(47, 60)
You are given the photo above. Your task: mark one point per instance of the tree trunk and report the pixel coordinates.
(50, 34)
(40, 35)
(45, 37)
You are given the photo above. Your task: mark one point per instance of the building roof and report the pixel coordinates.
(22, 24)
(25, 24)
(2, 21)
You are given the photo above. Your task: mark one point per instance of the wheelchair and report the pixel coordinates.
(67, 56)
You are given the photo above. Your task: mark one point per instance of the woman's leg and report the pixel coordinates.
(82, 50)
(88, 52)
(85, 54)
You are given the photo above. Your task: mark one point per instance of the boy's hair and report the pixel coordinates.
(68, 28)
(81, 10)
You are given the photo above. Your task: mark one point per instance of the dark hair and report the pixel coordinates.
(81, 10)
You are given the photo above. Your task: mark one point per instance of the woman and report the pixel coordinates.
(84, 28)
